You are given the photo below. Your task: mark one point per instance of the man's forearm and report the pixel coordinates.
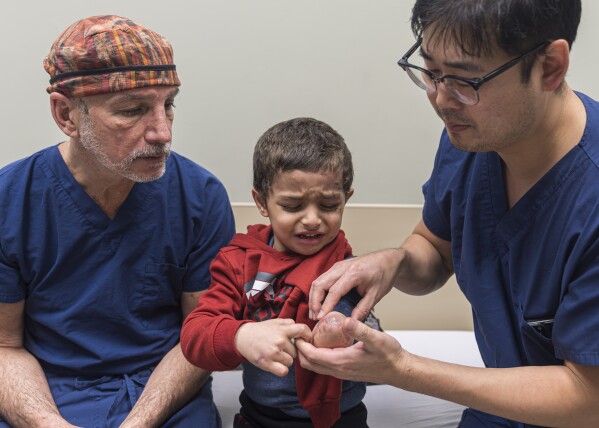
(172, 384)
(552, 396)
(422, 269)
(25, 397)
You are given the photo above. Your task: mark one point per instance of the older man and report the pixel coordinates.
(105, 243)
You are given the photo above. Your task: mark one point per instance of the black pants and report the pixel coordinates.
(254, 415)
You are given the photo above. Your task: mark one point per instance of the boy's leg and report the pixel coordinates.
(356, 417)
(259, 416)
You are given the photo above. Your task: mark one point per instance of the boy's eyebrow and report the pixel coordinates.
(460, 65)
(332, 195)
(328, 195)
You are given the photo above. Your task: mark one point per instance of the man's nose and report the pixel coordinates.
(159, 128)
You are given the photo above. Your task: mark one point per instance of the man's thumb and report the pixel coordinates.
(355, 329)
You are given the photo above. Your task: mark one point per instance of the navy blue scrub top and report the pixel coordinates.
(531, 273)
(103, 296)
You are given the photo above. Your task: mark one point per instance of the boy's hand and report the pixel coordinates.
(268, 345)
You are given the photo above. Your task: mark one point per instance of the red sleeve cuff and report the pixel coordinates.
(224, 342)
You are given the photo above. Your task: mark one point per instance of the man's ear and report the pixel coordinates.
(556, 60)
(260, 203)
(64, 109)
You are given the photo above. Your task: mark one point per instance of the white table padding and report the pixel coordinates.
(387, 406)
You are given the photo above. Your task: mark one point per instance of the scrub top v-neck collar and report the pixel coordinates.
(512, 222)
(90, 213)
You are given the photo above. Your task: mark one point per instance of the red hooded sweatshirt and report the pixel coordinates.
(251, 281)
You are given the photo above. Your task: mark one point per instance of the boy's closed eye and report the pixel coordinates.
(329, 207)
(324, 207)
(291, 208)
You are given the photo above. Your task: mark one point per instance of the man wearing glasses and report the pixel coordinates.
(511, 207)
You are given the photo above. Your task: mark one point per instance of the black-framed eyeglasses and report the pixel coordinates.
(463, 89)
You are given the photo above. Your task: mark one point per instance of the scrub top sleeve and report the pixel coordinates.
(12, 289)
(576, 325)
(217, 229)
(433, 216)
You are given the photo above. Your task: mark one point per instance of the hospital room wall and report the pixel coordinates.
(246, 65)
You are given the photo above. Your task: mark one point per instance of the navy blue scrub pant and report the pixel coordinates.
(106, 401)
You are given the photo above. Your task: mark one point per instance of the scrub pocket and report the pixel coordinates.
(538, 346)
(157, 302)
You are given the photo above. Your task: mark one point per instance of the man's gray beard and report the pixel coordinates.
(94, 147)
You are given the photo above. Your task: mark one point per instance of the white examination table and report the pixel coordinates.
(387, 406)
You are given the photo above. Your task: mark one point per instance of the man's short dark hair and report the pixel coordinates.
(515, 26)
(303, 144)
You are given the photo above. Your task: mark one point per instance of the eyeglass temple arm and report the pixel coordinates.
(411, 50)
(476, 82)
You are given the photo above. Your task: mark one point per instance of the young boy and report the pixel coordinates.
(258, 300)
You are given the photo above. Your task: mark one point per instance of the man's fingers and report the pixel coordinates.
(354, 275)
(307, 357)
(333, 297)
(319, 289)
(363, 307)
(343, 285)
(324, 360)
(356, 329)
(316, 297)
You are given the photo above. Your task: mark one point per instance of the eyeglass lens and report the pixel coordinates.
(462, 91)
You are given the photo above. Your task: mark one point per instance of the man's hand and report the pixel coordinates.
(374, 358)
(371, 274)
(420, 266)
(268, 344)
